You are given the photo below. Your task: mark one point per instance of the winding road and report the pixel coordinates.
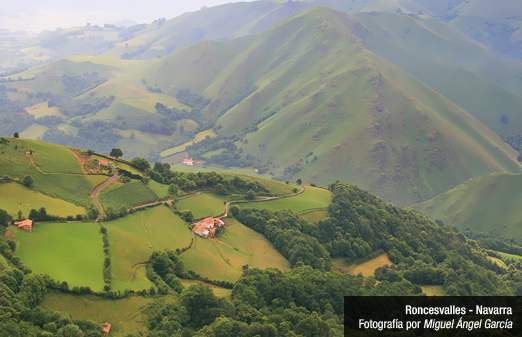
(102, 185)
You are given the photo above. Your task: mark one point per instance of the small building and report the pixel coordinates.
(207, 226)
(103, 162)
(188, 162)
(201, 231)
(107, 328)
(26, 225)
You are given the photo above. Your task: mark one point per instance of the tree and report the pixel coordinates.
(16, 135)
(116, 153)
(140, 163)
(187, 215)
(5, 218)
(250, 195)
(504, 119)
(27, 181)
(299, 181)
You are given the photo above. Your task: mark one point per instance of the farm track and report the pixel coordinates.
(31, 159)
(131, 269)
(148, 235)
(265, 199)
(100, 187)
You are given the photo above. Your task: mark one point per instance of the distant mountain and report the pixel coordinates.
(488, 204)
(304, 99)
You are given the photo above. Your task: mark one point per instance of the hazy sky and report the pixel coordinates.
(50, 14)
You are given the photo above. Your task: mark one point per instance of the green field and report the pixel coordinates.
(490, 203)
(431, 290)
(507, 256)
(124, 314)
(204, 205)
(134, 237)
(311, 198)
(20, 198)
(315, 216)
(161, 190)
(132, 193)
(71, 252)
(243, 246)
(50, 159)
(218, 291)
(367, 268)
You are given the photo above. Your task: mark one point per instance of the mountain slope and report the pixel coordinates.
(304, 99)
(486, 204)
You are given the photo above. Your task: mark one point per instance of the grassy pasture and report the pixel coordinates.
(431, 290)
(510, 256)
(42, 109)
(315, 216)
(51, 159)
(367, 268)
(203, 205)
(218, 291)
(209, 259)
(34, 131)
(119, 195)
(311, 198)
(71, 252)
(73, 188)
(19, 197)
(261, 253)
(161, 190)
(124, 314)
(133, 238)
(241, 246)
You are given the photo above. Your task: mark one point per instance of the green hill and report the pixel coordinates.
(308, 98)
(486, 204)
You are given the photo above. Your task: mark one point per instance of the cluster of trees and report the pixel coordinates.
(20, 295)
(81, 107)
(13, 116)
(41, 215)
(231, 155)
(77, 85)
(194, 101)
(182, 182)
(289, 234)
(360, 225)
(97, 135)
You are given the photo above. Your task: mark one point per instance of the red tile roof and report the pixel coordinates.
(107, 327)
(103, 162)
(26, 223)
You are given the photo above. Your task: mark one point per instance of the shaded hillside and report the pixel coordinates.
(495, 24)
(484, 83)
(486, 204)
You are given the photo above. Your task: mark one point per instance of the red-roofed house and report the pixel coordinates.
(205, 227)
(26, 225)
(107, 328)
(188, 162)
(103, 162)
